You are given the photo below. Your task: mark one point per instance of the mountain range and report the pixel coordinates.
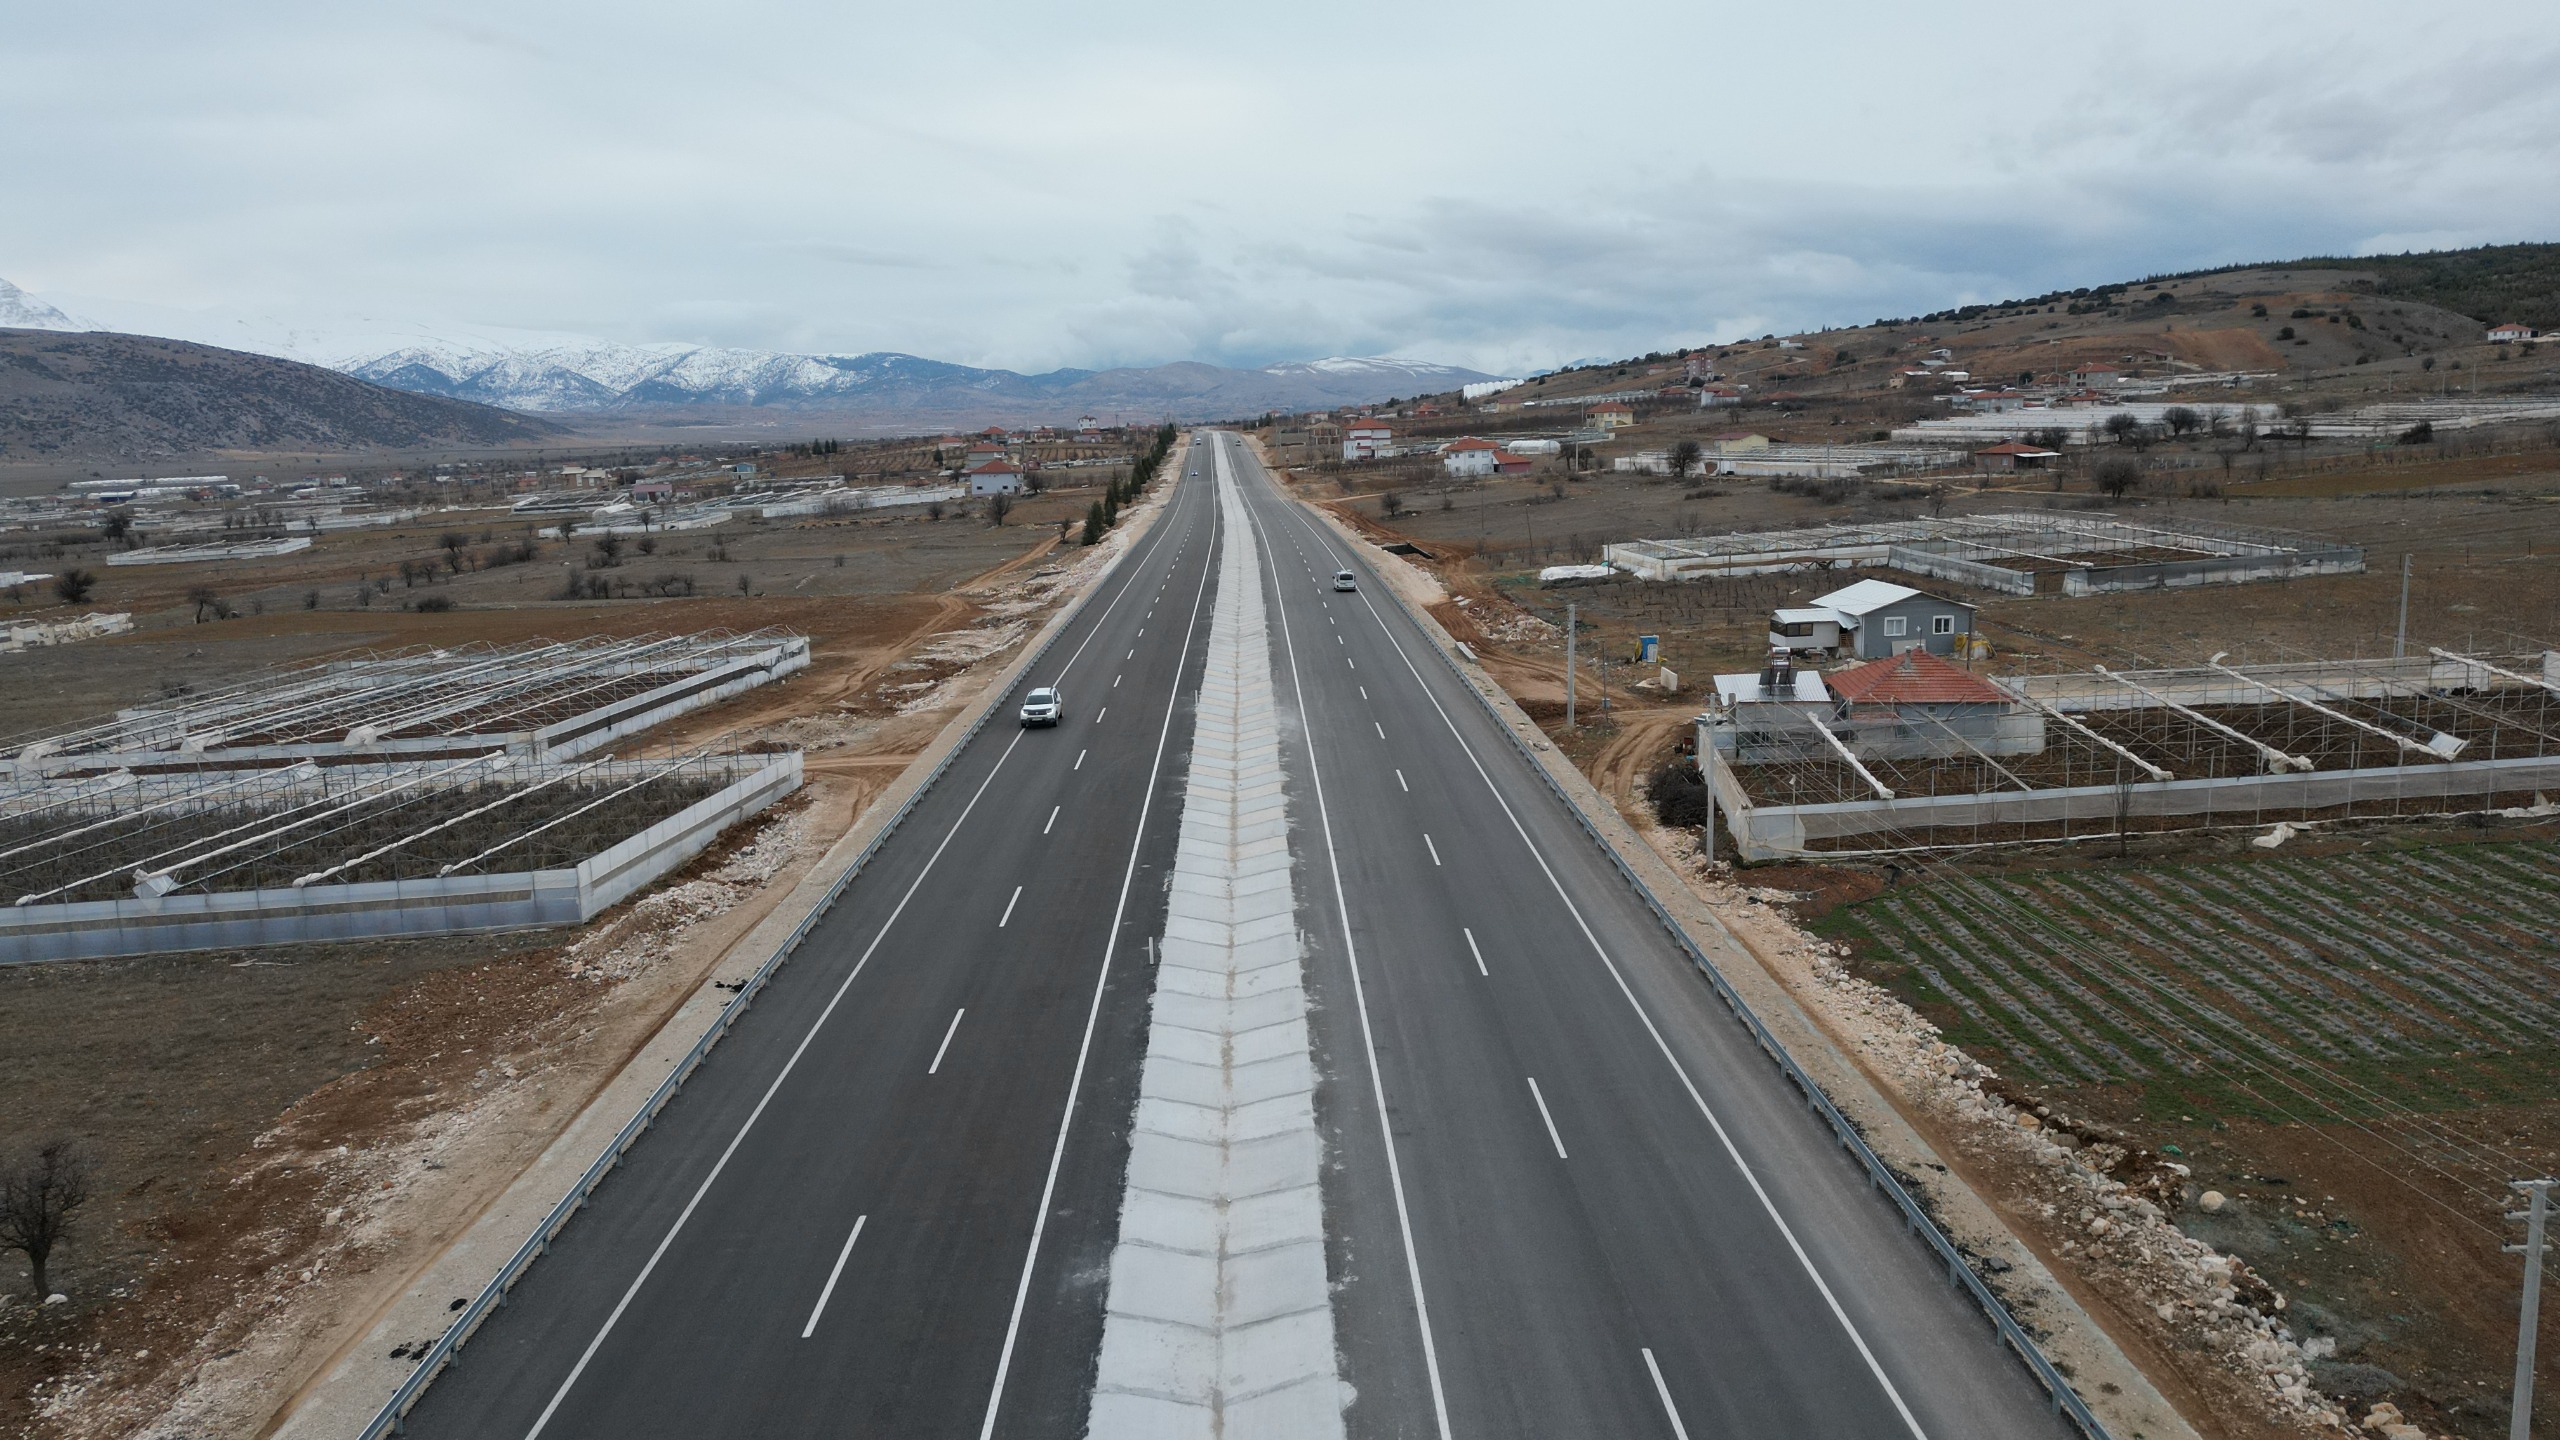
(599, 377)
(568, 376)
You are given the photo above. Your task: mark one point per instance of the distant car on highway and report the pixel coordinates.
(1345, 580)
(1044, 706)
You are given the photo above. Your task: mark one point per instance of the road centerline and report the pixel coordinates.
(944, 1048)
(833, 1276)
(1552, 1137)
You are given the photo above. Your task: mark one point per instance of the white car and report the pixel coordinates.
(1044, 706)
(1345, 580)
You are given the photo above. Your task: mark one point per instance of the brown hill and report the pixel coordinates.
(78, 395)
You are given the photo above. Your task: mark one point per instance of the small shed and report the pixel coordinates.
(2015, 455)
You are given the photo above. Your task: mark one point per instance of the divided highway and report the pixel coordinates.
(1565, 1196)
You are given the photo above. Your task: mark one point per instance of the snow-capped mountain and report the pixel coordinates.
(596, 376)
(553, 373)
(22, 311)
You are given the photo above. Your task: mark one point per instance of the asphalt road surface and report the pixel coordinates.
(1565, 1197)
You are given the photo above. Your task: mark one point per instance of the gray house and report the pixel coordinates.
(1876, 618)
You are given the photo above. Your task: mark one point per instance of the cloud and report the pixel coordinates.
(999, 182)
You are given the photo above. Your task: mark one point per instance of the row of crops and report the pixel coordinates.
(2414, 976)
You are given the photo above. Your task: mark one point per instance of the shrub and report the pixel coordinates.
(73, 585)
(1678, 791)
(433, 604)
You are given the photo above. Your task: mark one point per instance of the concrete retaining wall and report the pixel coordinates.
(1969, 572)
(1771, 832)
(2220, 570)
(284, 915)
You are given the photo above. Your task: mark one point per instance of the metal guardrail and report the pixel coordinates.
(392, 1417)
(1915, 1219)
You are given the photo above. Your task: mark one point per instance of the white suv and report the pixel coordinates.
(1345, 580)
(1044, 706)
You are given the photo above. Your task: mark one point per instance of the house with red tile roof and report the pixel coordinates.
(1917, 705)
(2510, 332)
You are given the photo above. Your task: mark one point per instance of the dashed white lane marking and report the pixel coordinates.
(1677, 1429)
(1427, 845)
(832, 1276)
(1106, 710)
(1381, 729)
(1364, 692)
(1079, 759)
(1399, 783)
(1008, 907)
(1053, 818)
(1115, 682)
(940, 1050)
(1552, 1137)
(1472, 950)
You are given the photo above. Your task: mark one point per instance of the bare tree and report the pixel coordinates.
(2181, 420)
(2118, 476)
(2121, 426)
(74, 585)
(1684, 458)
(39, 1193)
(999, 505)
(453, 541)
(1391, 504)
(206, 600)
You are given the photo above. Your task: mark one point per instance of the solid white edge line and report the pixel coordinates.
(1053, 818)
(1008, 908)
(832, 1276)
(1678, 1430)
(1875, 1367)
(1552, 1137)
(588, 1355)
(940, 1050)
(1472, 950)
(1102, 977)
(1368, 1034)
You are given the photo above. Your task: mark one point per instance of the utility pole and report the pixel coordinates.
(2400, 646)
(1569, 628)
(2538, 1205)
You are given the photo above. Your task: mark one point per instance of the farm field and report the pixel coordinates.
(2354, 1047)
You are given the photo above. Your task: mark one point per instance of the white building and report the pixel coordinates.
(1367, 440)
(1470, 456)
(995, 477)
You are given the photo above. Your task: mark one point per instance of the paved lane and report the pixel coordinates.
(878, 1132)
(1618, 1209)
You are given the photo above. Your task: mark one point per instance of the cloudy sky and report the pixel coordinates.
(1000, 182)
